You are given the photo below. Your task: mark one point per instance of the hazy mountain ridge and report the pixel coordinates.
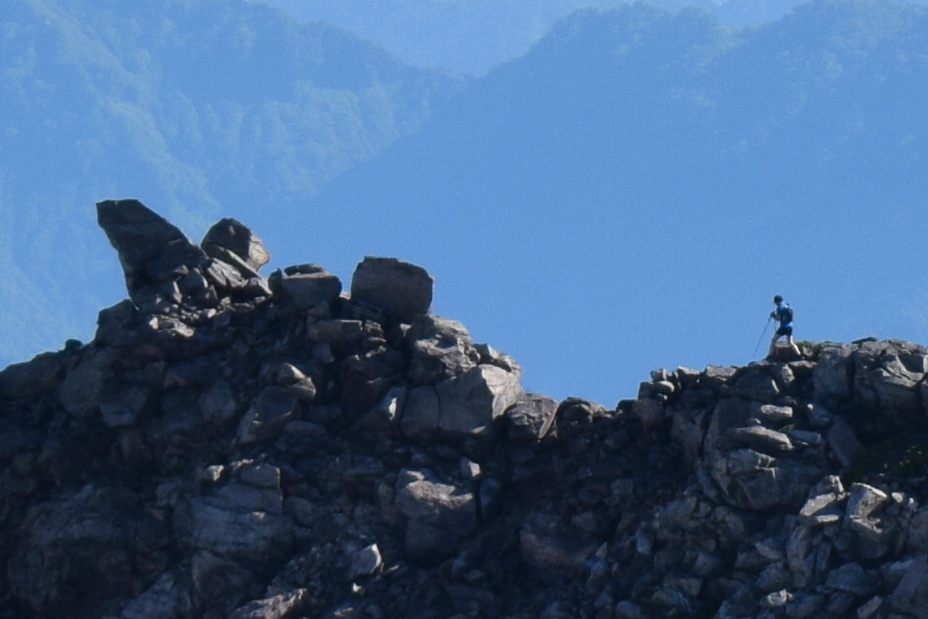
(473, 37)
(641, 149)
(194, 104)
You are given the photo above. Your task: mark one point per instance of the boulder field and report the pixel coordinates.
(234, 446)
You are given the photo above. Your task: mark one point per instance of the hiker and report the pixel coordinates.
(784, 314)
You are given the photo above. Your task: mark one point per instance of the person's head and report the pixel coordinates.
(778, 299)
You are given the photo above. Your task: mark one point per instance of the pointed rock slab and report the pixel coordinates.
(233, 236)
(401, 289)
(151, 250)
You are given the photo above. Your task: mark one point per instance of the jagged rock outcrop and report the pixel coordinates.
(234, 446)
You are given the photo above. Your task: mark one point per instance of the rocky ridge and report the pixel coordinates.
(235, 446)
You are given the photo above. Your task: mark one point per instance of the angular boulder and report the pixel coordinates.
(311, 285)
(465, 405)
(531, 417)
(401, 289)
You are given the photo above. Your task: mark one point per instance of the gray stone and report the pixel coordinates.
(762, 439)
(752, 480)
(870, 608)
(491, 356)
(311, 289)
(439, 349)
(862, 502)
(831, 376)
(402, 290)
(122, 406)
(365, 562)
(649, 412)
(896, 390)
(531, 417)
(283, 606)
(80, 391)
(386, 413)
(822, 509)
(421, 413)
(911, 594)
(151, 250)
(224, 276)
(755, 383)
(99, 539)
(439, 514)
(843, 442)
(240, 523)
(163, 600)
(470, 402)
(461, 406)
(771, 415)
(554, 548)
(218, 402)
(32, 378)
(231, 235)
(292, 379)
(272, 410)
(918, 530)
(818, 416)
(221, 254)
(854, 579)
(774, 577)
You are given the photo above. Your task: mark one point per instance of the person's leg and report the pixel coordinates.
(773, 344)
(792, 344)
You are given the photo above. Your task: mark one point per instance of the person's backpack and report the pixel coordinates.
(786, 313)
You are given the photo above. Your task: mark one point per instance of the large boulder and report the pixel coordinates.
(310, 285)
(151, 250)
(465, 405)
(401, 289)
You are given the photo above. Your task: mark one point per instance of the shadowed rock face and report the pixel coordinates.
(235, 446)
(151, 250)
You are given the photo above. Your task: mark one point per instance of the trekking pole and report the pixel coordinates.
(762, 336)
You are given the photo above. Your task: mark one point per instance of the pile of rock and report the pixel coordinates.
(237, 446)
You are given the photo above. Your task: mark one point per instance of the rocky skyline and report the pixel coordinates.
(238, 446)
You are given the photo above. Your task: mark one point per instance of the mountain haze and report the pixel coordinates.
(196, 105)
(471, 37)
(668, 175)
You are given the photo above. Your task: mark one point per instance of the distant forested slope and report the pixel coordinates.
(663, 172)
(198, 107)
(472, 36)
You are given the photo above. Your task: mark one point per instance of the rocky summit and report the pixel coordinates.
(234, 446)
